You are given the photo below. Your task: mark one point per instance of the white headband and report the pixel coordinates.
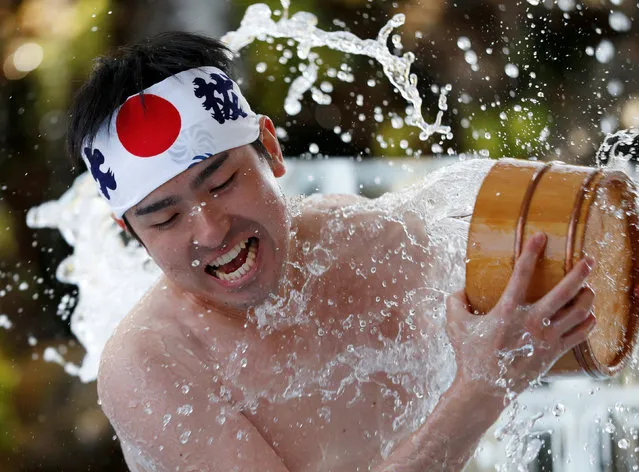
(166, 129)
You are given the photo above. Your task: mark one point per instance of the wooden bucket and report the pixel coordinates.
(583, 211)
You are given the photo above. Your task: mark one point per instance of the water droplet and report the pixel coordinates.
(195, 263)
(313, 148)
(566, 5)
(397, 122)
(6, 323)
(195, 210)
(292, 107)
(324, 413)
(463, 43)
(512, 71)
(615, 87)
(261, 67)
(184, 437)
(558, 410)
(609, 427)
(545, 322)
(470, 57)
(326, 87)
(619, 21)
(166, 420)
(623, 443)
(605, 51)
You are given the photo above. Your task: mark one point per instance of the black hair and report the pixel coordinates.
(130, 70)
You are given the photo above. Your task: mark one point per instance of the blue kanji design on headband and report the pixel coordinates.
(106, 180)
(219, 98)
(197, 159)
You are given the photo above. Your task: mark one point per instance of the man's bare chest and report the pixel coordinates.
(328, 395)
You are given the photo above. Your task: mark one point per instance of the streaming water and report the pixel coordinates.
(112, 273)
(301, 27)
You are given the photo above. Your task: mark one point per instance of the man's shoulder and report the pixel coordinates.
(130, 346)
(136, 342)
(318, 211)
(321, 208)
(324, 202)
(144, 317)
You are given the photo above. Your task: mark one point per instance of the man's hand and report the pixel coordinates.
(509, 347)
(528, 338)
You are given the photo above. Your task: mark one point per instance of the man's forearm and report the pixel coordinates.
(449, 437)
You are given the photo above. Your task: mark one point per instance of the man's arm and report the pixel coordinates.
(550, 327)
(447, 440)
(170, 414)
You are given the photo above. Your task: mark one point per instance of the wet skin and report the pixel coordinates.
(171, 335)
(190, 381)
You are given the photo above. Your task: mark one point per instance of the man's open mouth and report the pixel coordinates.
(236, 262)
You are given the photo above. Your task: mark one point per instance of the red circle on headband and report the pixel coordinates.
(148, 127)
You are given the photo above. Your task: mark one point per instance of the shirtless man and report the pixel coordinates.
(195, 379)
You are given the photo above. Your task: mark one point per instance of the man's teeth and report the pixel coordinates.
(229, 256)
(243, 269)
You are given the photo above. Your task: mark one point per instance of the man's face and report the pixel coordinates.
(220, 230)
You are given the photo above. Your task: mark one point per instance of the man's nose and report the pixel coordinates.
(210, 225)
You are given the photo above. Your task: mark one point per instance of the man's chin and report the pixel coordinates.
(236, 301)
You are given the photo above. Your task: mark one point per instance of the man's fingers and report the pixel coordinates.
(566, 289)
(524, 269)
(574, 314)
(579, 333)
(457, 302)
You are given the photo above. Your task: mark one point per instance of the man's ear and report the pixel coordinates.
(119, 222)
(271, 143)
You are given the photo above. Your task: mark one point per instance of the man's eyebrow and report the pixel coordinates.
(156, 206)
(214, 165)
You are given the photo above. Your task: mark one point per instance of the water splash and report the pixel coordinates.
(520, 449)
(417, 365)
(111, 273)
(5, 322)
(619, 148)
(302, 28)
